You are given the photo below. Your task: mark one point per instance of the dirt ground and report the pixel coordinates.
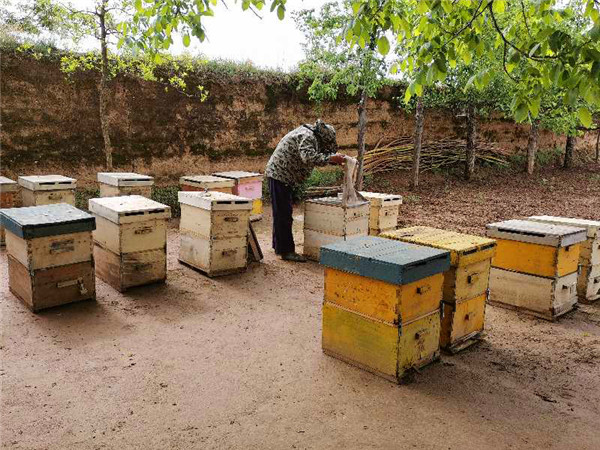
(236, 362)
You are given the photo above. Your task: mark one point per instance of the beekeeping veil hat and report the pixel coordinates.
(326, 136)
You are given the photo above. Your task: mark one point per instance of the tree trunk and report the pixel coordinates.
(103, 86)
(362, 130)
(598, 147)
(534, 134)
(417, 145)
(470, 150)
(569, 150)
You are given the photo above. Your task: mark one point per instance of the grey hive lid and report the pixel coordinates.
(47, 182)
(211, 180)
(129, 209)
(49, 220)
(238, 174)
(592, 226)
(537, 233)
(125, 179)
(385, 259)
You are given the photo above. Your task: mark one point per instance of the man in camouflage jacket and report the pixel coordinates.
(290, 165)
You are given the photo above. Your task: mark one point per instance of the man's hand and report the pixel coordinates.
(337, 159)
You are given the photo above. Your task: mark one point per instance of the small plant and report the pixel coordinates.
(411, 198)
(83, 195)
(167, 195)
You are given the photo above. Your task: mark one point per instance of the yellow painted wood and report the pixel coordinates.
(379, 347)
(381, 300)
(464, 249)
(466, 281)
(257, 207)
(462, 321)
(383, 217)
(536, 259)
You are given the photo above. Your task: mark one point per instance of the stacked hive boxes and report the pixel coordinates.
(465, 284)
(115, 184)
(588, 282)
(214, 232)
(535, 267)
(327, 220)
(206, 183)
(384, 210)
(49, 250)
(247, 185)
(47, 190)
(130, 241)
(9, 191)
(381, 309)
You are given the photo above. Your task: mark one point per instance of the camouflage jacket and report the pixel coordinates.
(295, 157)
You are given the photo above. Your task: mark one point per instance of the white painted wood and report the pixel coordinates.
(125, 179)
(40, 198)
(383, 217)
(50, 251)
(129, 209)
(214, 224)
(590, 252)
(592, 226)
(8, 185)
(240, 175)
(314, 240)
(537, 233)
(131, 237)
(549, 297)
(379, 199)
(214, 256)
(588, 283)
(329, 216)
(216, 201)
(47, 182)
(207, 181)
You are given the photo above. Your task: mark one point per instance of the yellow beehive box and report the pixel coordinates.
(116, 184)
(214, 232)
(589, 256)
(381, 308)
(535, 248)
(47, 190)
(383, 211)
(9, 191)
(206, 183)
(547, 298)
(465, 284)
(327, 220)
(130, 240)
(49, 250)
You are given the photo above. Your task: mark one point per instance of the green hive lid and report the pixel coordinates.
(49, 220)
(384, 259)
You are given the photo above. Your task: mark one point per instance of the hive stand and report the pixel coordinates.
(116, 184)
(50, 260)
(381, 309)
(47, 190)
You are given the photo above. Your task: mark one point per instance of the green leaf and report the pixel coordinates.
(186, 40)
(585, 117)
(534, 106)
(280, 12)
(383, 45)
(521, 112)
(138, 6)
(499, 6)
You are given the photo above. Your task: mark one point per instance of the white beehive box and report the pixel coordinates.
(47, 190)
(214, 232)
(206, 183)
(130, 240)
(115, 184)
(326, 221)
(384, 209)
(9, 192)
(589, 257)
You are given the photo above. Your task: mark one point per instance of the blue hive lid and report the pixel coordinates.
(385, 259)
(48, 220)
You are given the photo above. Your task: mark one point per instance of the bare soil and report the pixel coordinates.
(236, 362)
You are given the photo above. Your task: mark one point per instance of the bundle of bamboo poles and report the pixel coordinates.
(398, 155)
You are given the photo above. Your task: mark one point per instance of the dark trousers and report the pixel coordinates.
(281, 200)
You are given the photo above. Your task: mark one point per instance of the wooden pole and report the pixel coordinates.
(471, 136)
(534, 133)
(103, 88)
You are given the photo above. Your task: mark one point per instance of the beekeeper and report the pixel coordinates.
(291, 164)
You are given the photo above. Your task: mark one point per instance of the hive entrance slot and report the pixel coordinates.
(135, 213)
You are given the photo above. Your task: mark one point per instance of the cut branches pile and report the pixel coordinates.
(398, 155)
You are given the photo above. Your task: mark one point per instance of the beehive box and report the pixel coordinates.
(465, 283)
(47, 190)
(214, 232)
(50, 260)
(130, 240)
(9, 191)
(381, 308)
(535, 267)
(206, 183)
(116, 184)
(327, 221)
(248, 185)
(589, 256)
(383, 211)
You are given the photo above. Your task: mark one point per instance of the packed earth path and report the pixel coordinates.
(236, 361)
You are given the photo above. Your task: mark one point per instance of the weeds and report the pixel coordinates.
(167, 195)
(82, 196)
